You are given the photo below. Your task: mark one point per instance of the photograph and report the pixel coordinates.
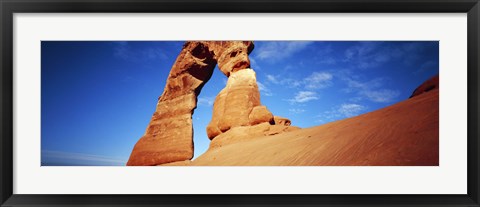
(239, 103)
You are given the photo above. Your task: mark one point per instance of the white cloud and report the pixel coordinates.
(381, 96)
(263, 89)
(293, 83)
(272, 79)
(287, 82)
(296, 111)
(349, 110)
(342, 111)
(206, 101)
(375, 54)
(318, 80)
(373, 90)
(276, 50)
(367, 54)
(253, 64)
(304, 96)
(365, 85)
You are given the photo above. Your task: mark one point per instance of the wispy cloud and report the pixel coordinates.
(286, 82)
(72, 158)
(316, 80)
(349, 110)
(253, 64)
(272, 79)
(381, 96)
(304, 96)
(276, 50)
(374, 54)
(372, 90)
(362, 85)
(296, 111)
(323, 54)
(342, 111)
(427, 66)
(368, 54)
(206, 101)
(125, 51)
(306, 86)
(263, 89)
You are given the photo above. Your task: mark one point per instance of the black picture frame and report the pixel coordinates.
(9, 7)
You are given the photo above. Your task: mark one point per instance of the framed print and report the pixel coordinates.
(199, 103)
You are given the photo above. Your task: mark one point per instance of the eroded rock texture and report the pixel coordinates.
(281, 121)
(238, 104)
(247, 133)
(231, 55)
(169, 135)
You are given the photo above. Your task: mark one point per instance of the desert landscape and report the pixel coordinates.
(243, 132)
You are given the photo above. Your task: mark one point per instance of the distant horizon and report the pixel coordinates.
(97, 97)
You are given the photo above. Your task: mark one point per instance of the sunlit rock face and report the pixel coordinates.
(231, 55)
(169, 135)
(248, 133)
(238, 104)
(281, 121)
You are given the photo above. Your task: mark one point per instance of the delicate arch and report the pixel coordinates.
(169, 135)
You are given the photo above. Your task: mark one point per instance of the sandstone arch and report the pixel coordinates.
(169, 135)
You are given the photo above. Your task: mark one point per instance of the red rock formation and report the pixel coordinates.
(430, 84)
(169, 135)
(281, 121)
(248, 133)
(403, 134)
(238, 104)
(260, 114)
(231, 55)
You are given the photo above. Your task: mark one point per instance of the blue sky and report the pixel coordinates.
(98, 97)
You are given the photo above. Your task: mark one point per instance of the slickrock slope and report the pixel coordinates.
(244, 132)
(405, 134)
